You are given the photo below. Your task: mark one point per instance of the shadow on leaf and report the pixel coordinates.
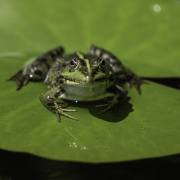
(117, 113)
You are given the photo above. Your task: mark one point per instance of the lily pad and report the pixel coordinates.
(145, 36)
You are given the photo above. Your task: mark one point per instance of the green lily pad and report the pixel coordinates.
(144, 34)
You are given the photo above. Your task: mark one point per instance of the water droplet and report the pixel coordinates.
(156, 8)
(73, 145)
(83, 148)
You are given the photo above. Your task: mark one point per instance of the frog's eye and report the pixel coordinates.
(74, 63)
(103, 62)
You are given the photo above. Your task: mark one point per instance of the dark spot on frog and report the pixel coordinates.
(103, 63)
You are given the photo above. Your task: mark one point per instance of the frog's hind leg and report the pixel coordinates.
(133, 80)
(118, 96)
(111, 60)
(37, 69)
(101, 52)
(122, 73)
(109, 105)
(137, 82)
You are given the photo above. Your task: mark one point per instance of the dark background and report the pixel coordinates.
(19, 166)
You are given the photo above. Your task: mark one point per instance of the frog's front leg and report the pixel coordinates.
(37, 69)
(135, 81)
(109, 105)
(119, 95)
(123, 74)
(53, 102)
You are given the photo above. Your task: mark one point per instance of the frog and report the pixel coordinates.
(79, 77)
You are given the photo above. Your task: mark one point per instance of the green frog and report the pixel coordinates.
(79, 77)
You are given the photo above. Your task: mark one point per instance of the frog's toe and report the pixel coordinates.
(62, 112)
(136, 82)
(69, 110)
(20, 79)
(58, 115)
(69, 116)
(109, 105)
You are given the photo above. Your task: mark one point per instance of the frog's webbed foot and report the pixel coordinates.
(59, 111)
(134, 81)
(57, 107)
(20, 79)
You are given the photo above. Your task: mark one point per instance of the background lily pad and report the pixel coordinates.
(145, 35)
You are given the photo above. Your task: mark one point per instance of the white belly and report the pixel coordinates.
(86, 91)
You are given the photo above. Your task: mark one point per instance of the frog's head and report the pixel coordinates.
(80, 68)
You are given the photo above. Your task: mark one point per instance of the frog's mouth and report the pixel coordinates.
(86, 80)
(72, 81)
